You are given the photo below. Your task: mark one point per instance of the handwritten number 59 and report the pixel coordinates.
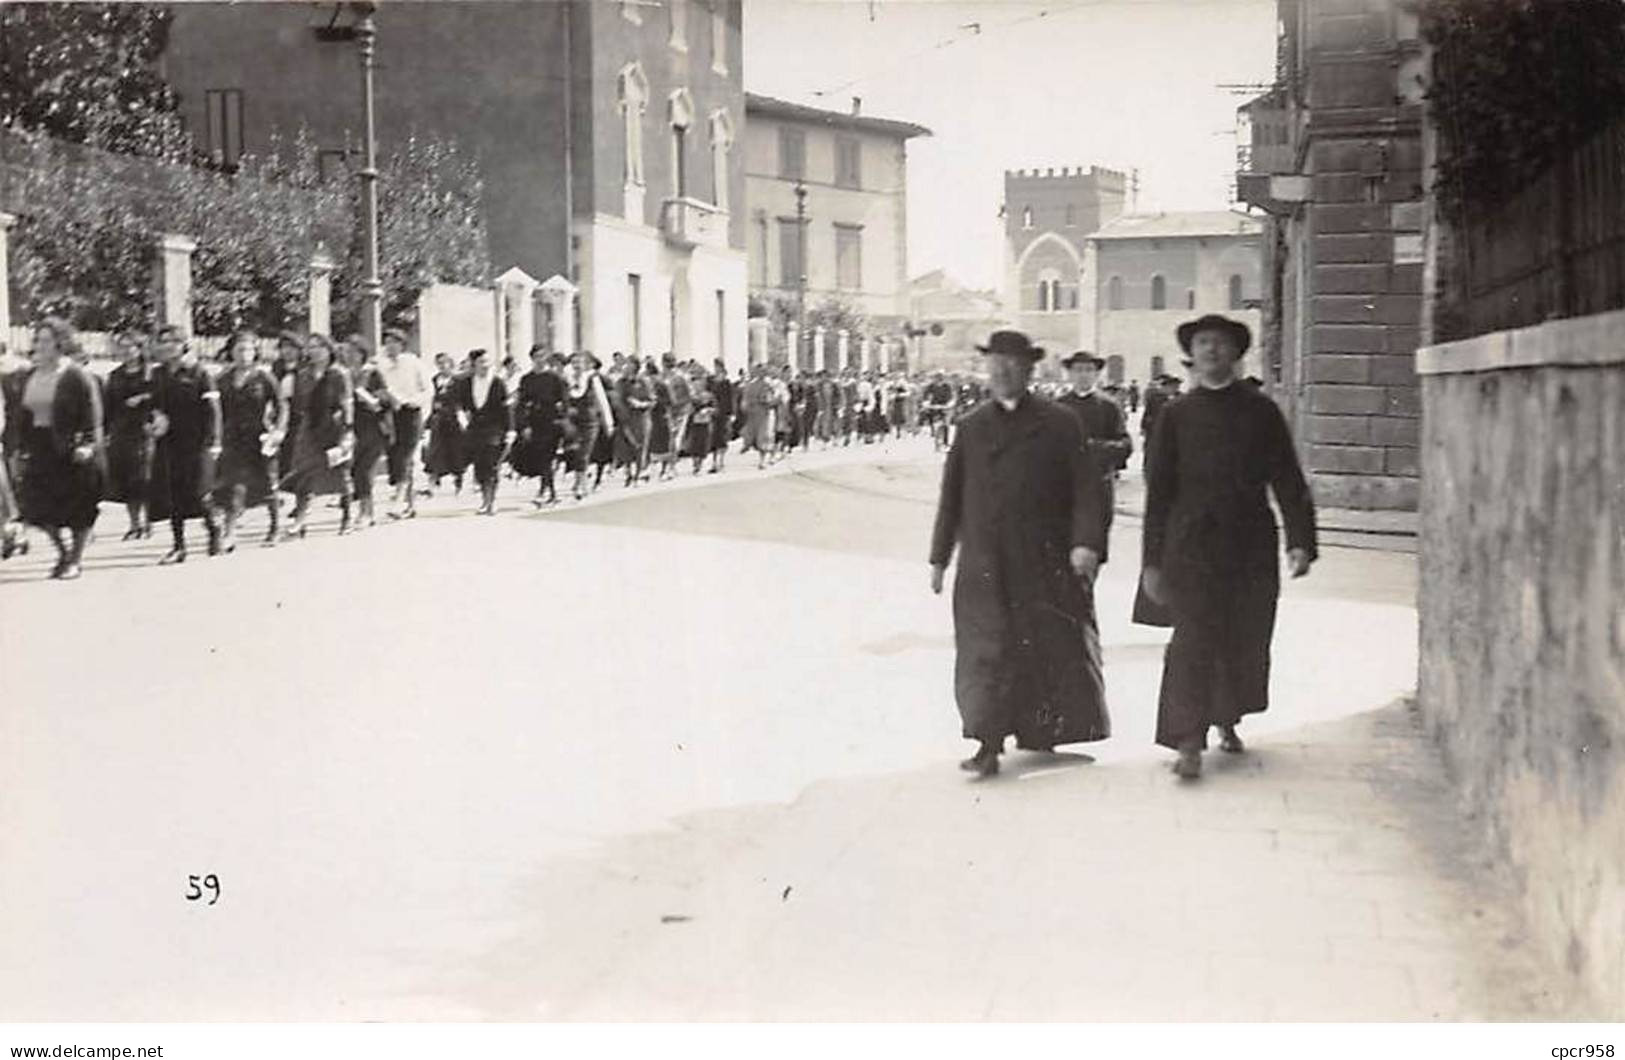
(198, 886)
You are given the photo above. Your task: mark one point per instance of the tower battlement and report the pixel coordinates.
(1099, 175)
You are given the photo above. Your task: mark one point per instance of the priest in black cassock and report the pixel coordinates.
(1105, 434)
(1211, 541)
(1021, 501)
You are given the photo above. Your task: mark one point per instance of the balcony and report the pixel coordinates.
(689, 223)
(1267, 161)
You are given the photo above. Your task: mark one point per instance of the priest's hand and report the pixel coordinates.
(1152, 580)
(936, 579)
(1297, 561)
(1085, 562)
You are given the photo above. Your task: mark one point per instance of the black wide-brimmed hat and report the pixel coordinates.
(1084, 357)
(1012, 344)
(1214, 322)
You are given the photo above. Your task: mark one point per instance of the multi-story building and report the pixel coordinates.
(605, 133)
(1048, 216)
(1334, 158)
(851, 234)
(1144, 274)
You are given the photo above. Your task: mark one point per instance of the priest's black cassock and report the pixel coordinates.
(1209, 528)
(1019, 492)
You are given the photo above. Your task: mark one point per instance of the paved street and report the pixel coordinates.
(691, 754)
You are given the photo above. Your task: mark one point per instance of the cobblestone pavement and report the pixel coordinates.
(690, 754)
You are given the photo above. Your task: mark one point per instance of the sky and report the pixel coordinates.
(1124, 84)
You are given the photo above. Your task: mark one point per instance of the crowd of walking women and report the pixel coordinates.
(174, 437)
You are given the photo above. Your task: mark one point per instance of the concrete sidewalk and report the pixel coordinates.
(1323, 877)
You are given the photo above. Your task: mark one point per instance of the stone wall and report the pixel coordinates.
(1523, 617)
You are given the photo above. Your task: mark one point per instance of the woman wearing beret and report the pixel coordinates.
(538, 413)
(54, 424)
(1210, 541)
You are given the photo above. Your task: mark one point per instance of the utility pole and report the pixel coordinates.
(372, 288)
(801, 270)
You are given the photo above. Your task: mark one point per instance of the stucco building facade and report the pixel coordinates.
(852, 238)
(606, 133)
(1145, 274)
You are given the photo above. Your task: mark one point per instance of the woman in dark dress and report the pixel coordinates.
(186, 447)
(323, 442)
(446, 453)
(697, 439)
(129, 443)
(588, 419)
(482, 404)
(660, 439)
(374, 424)
(55, 426)
(253, 419)
(632, 401)
(725, 400)
(539, 414)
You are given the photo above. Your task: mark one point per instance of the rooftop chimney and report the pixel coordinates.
(857, 105)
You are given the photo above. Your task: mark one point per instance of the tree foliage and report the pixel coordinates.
(1517, 84)
(89, 74)
(431, 227)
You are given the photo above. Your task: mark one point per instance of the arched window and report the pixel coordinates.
(1159, 293)
(680, 113)
(633, 89)
(722, 138)
(1049, 291)
(1114, 293)
(1026, 217)
(1190, 298)
(1235, 291)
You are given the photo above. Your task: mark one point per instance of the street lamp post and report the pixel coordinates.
(801, 270)
(372, 287)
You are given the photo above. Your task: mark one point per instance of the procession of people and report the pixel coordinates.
(277, 423)
(1026, 502)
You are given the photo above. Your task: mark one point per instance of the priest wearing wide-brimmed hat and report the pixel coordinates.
(1211, 543)
(1020, 502)
(1105, 432)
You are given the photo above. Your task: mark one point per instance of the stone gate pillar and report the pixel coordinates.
(319, 300)
(518, 313)
(173, 273)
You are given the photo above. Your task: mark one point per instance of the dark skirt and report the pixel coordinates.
(129, 464)
(723, 431)
(447, 453)
(404, 445)
(697, 439)
(632, 439)
(243, 465)
(370, 447)
(182, 479)
(603, 447)
(659, 433)
(310, 474)
(53, 491)
(487, 460)
(535, 456)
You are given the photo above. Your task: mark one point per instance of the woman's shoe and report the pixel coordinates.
(172, 557)
(131, 534)
(1188, 766)
(56, 571)
(69, 573)
(1229, 742)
